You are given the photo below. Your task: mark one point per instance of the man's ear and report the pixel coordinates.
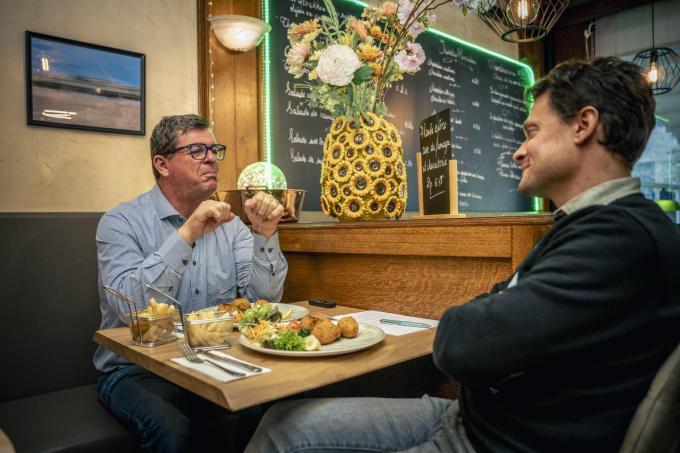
(587, 122)
(160, 163)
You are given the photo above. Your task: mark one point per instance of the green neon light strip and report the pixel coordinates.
(536, 202)
(267, 88)
(661, 118)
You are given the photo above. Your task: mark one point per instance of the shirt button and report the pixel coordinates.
(194, 262)
(261, 249)
(270, 250)
(185, 262)
(197, 291)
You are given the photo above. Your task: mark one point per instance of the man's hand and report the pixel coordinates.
(206, 217)
(264, 213)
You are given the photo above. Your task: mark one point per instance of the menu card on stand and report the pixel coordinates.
(437, 172)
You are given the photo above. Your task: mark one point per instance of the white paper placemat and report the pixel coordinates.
(215, 372)
(373, 318)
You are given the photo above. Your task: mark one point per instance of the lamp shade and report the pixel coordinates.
(239, 33)
(661, 66)
(521, 20)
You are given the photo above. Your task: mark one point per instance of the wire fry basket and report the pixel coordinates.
(148, 328)
(208, 329)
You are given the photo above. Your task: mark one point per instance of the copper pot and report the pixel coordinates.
(291, 199)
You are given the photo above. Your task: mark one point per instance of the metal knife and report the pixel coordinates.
(245, 366)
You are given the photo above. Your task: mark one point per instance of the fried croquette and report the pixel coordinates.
(241, 304)
(259, 302)
(348, 327)
(325, 331)
(308, 322)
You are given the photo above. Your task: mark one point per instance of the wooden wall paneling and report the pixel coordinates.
(203, 38)
(418, 286)
(246, 98)
(223, 105)
(440, 241)
(532, 54)
(523, 240)
(235, 89)
(411, 267)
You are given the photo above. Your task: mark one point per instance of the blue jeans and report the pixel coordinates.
(168, 418)
(362, 425)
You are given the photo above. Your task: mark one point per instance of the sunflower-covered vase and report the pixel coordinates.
(363, 176)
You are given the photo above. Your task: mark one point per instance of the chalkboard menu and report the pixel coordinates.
(435, 149)
(484, 92)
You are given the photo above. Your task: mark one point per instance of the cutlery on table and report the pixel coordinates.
(246, 366)
(191, 356)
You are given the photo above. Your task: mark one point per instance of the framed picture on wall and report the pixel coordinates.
(76, 85)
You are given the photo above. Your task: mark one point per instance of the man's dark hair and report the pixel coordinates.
(616, 88)
(167, 131)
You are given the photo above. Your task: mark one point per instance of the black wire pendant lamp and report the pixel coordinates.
(521, 20)
(661, 65)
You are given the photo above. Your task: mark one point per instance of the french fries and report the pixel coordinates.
(207, 328)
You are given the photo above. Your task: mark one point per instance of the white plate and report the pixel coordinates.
(297, 313)
(367, 337)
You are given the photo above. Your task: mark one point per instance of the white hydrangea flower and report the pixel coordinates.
(337, 64)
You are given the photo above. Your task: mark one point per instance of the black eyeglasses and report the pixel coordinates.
(200, 150)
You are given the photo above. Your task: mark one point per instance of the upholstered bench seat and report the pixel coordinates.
(70, 420)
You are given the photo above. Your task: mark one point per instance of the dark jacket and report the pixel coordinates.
(559, 361)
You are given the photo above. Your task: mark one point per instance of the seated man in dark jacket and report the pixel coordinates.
(557, 357)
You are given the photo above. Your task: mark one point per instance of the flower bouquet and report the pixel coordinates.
(349, 65)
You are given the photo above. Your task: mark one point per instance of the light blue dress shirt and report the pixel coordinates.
(137, 243)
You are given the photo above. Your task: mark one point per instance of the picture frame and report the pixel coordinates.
(76, 85)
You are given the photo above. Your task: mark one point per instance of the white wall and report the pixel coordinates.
(49, 169)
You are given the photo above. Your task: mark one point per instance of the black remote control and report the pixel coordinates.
(321, 303)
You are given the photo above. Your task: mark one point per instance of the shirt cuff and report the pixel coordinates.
(266, 249)
(176, 253)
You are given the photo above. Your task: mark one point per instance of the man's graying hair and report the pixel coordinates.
(616, 88)
(167, 131)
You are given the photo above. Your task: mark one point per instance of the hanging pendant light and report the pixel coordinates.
(661, 65)
(521, 20)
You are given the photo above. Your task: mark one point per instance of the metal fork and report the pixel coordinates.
(191, 356)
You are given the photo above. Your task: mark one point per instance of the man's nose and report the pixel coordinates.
(519, 153)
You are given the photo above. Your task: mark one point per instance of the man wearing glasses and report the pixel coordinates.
(178, 240)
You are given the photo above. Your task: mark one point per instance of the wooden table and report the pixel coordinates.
(289, 375)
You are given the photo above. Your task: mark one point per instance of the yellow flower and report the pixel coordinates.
(334, 153)
(374, 166)
(359, 28)
(377, 68)
(380, 189)
(376, 32)
(354, 207)
(369, 52)
(345, 40)
(369, 120)
(312, 74)
(391, 207)
(324, 206)
(338, 125)
(388, 9)
(341, 172)
(297, 32)
(388, 151)
(360, 184)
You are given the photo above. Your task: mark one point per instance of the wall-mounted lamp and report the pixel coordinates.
(661, 65)
(521, 20)
(239, 33)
